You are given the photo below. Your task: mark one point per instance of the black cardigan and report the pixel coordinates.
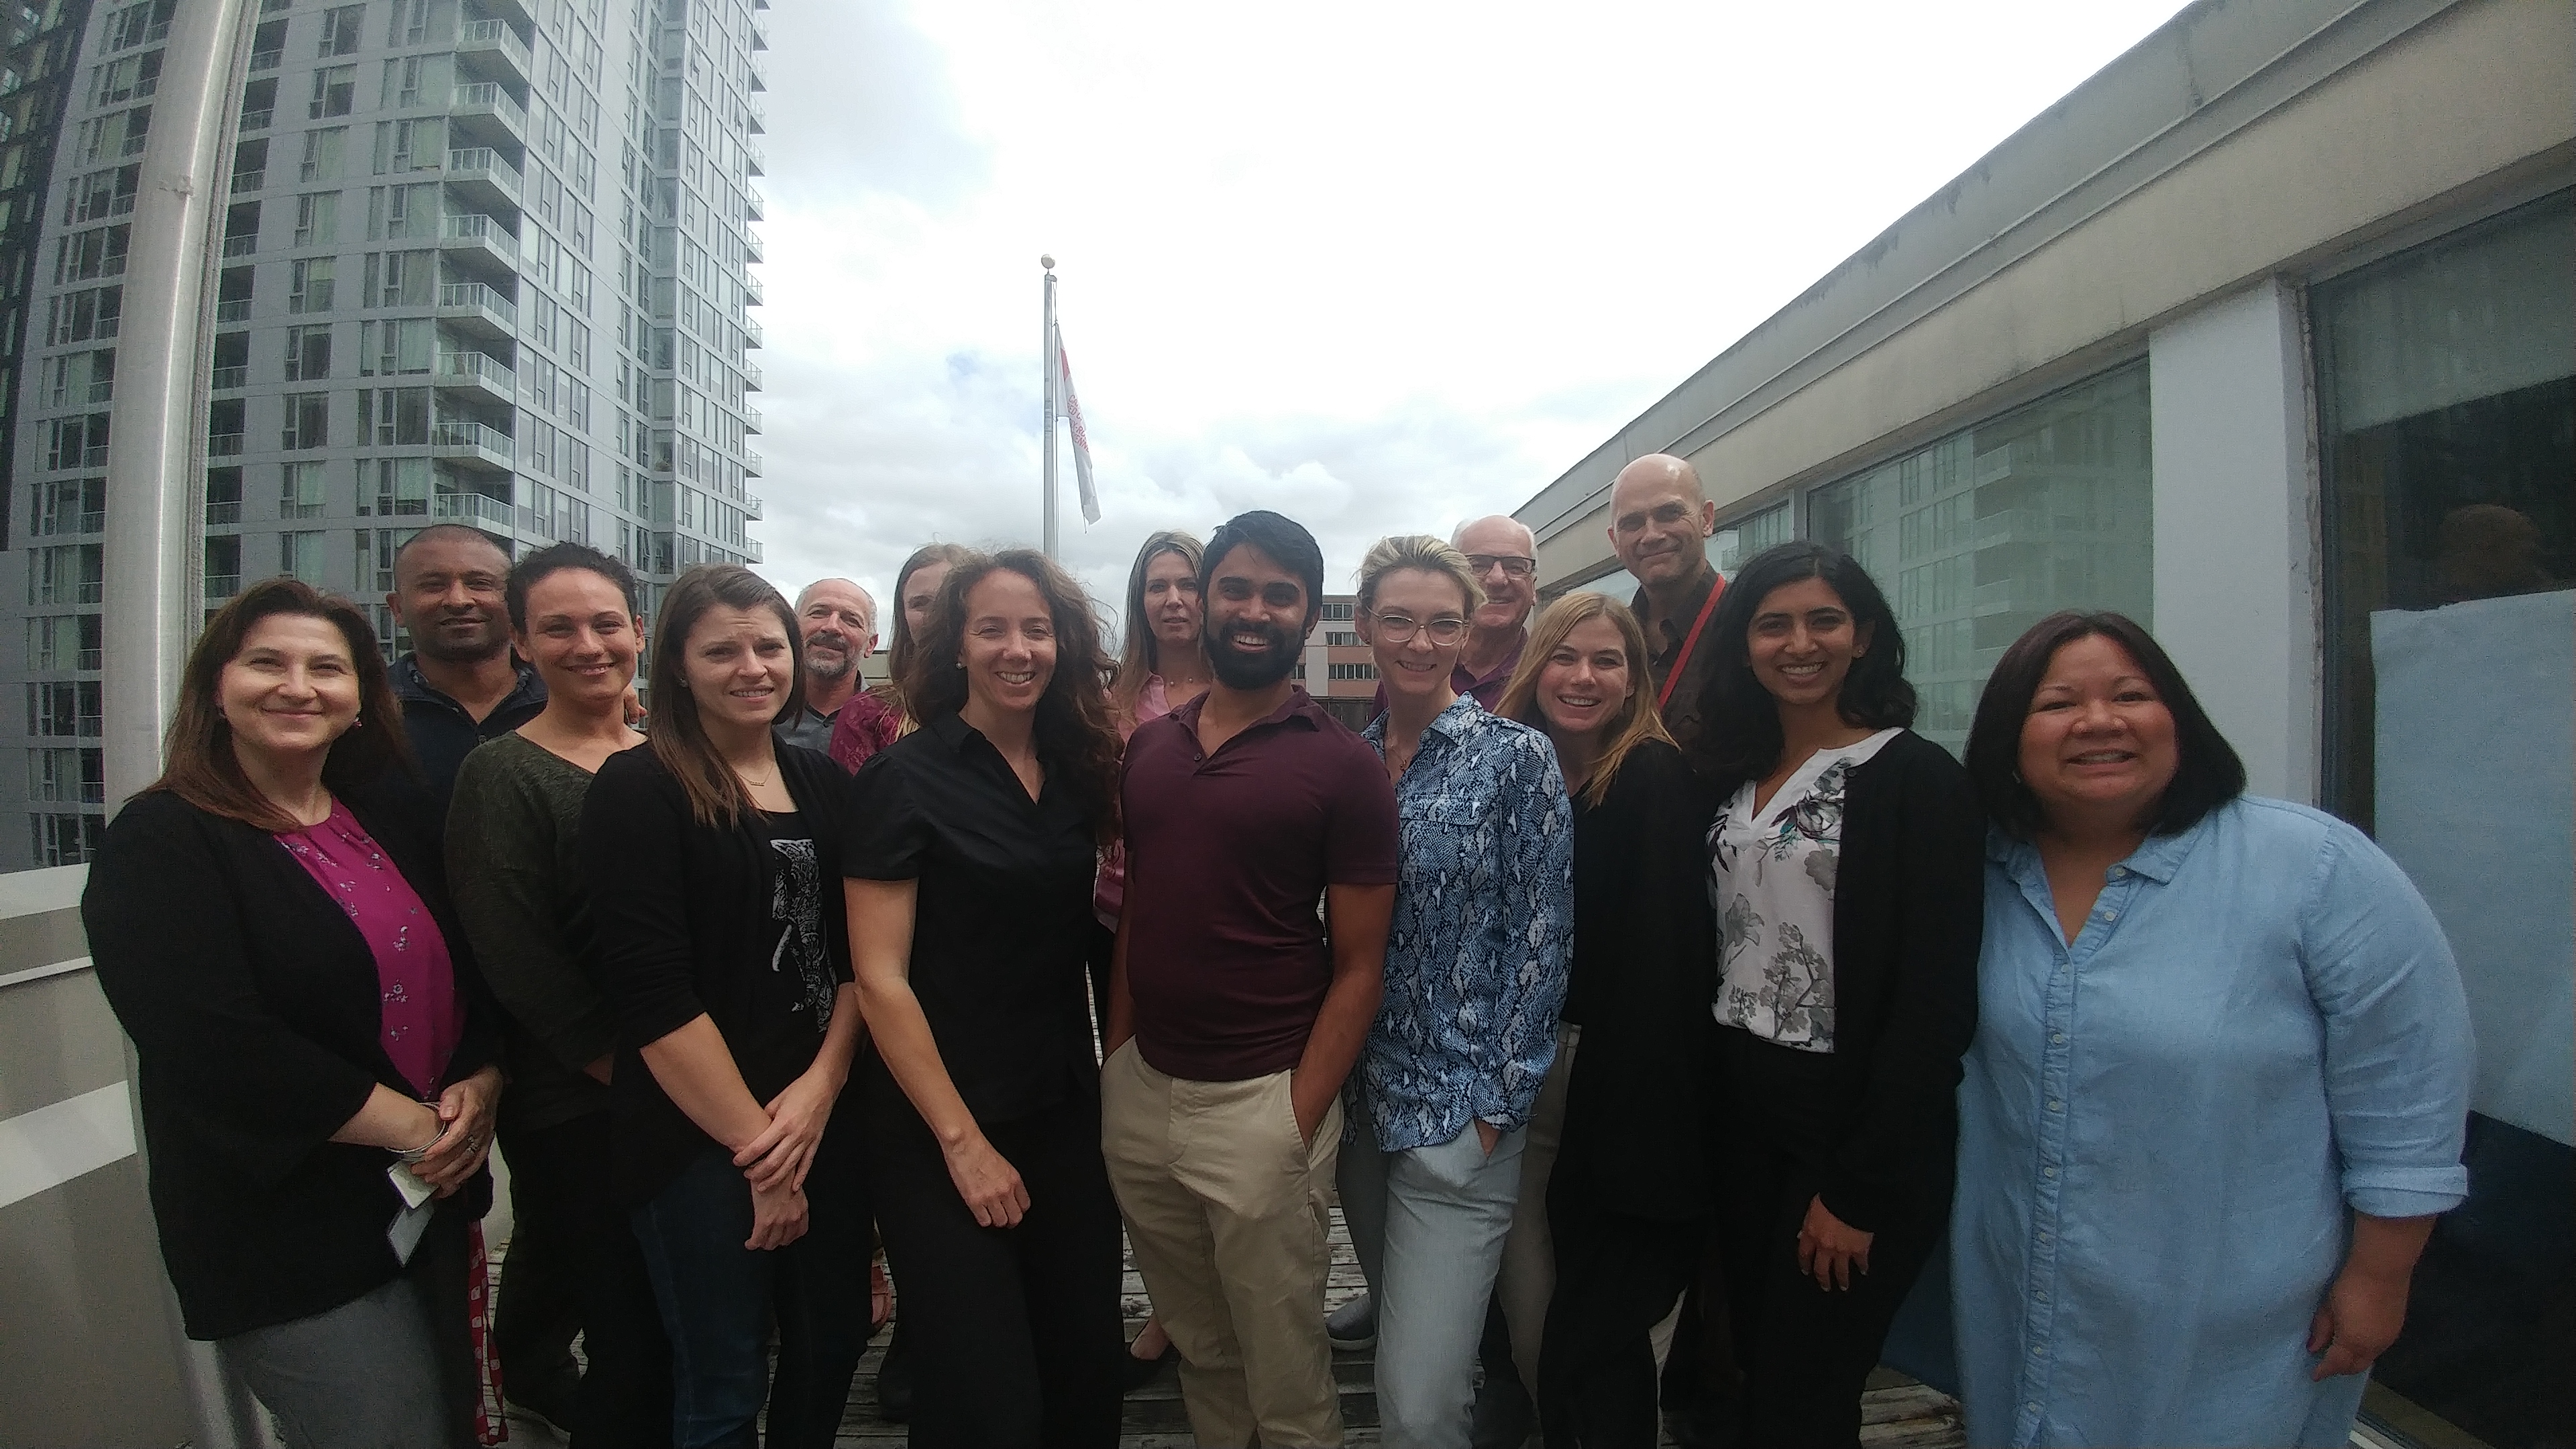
(257, 1023)
(1909, 916)
(681, 911)
(1645, 954)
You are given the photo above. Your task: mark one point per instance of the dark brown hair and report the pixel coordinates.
(679, 737)
(198, 763)
(2207, 773)
(1739, 720)
(900, 645)
(1075, 731)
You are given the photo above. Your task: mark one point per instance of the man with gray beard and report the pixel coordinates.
(839, 621)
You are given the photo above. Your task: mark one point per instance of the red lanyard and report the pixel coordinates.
(1690, 641)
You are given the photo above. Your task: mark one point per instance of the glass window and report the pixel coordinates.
(1735, 542)
(2447, 399)
(1980, 535)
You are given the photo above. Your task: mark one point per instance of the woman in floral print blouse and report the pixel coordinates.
(1844, 869)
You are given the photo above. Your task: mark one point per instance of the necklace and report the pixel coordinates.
(763, 782)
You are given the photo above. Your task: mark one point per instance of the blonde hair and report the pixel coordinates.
(1140, 653)
(1637, 720)
(1417, 551)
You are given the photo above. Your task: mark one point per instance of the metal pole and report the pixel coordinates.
(1047, 362)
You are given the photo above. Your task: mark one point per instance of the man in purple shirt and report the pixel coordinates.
(1235, 1010)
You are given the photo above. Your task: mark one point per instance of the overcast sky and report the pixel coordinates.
(1380, 266)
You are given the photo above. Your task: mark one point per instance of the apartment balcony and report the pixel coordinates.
(494, 44)
(759, 38)
(478, 240)
(752, 335)
(751, 247)
(474, 510)
(221, 586)
(753, 162)
(218, 445)
(751, 507)
(261, 60)
(484, 177)
(758, 295)
(473, 445)
(241, 244)
(484, 110)
(235, 310)
(245, 182)
(479, 377)
(228, 379)
(751, 420)
(258, 120)
(474, 308)
(753, 204)
(750, 463)
(751, 376)
(751, 549)
(755, 117)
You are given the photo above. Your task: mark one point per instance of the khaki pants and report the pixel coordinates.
(1225, 1208)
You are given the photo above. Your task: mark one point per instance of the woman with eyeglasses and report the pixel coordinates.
(1475, 972)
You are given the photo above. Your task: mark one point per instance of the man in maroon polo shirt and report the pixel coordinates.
(1235, 1010)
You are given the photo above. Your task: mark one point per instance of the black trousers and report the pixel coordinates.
(1616, 1278)
(574, 1265)
(1101, 950)
(1015, 1333)
(1806, 1353)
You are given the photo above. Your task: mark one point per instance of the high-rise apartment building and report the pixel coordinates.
(482, 263)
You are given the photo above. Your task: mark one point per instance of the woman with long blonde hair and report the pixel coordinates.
(1600, 1250)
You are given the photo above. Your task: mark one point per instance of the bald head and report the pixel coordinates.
(1660, 521)
(1504, 554)
(839, 621)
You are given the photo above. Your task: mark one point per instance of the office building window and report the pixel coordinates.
(300, 554)
(309, 284)
(317, 218)
(71, 573)
(68, 505)
(1984, 533)
(335, 90)
(62, 643)
(66, 839)
(299, 490)
(308, 353)
(1741, 539)
(2446, 381)
(223, 567)
(340, 30)
(308, 421)
(67, 776)
(63, 709)
(394, 487)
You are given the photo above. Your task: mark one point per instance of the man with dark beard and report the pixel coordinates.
(460, 685)
(1234, 1010)
(839, 621)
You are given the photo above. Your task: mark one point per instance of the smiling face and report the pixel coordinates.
(1414, 627)
(447, 592)
(292, 689)
(1257, 619)
(1503, 553)
(580, 638)
(2098, 737)
(1009, 649)
(738, 666)
(1585, 681)
(839, 625)
(1802, 642)
(1659, 522)
(1172, 604)
(920, 591)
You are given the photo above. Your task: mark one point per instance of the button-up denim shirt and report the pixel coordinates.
(1483, 933)
(2166, 1124)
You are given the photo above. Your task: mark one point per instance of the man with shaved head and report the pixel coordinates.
(1660, 522)
(839, 621)
(460, 685)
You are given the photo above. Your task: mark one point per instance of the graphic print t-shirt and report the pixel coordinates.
(787, 1004)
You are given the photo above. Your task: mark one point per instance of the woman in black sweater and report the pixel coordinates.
(270, 923)
(1614, 1183)
(1845, 866)
(713, 856)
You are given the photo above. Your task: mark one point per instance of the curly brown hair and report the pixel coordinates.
(1075, 731)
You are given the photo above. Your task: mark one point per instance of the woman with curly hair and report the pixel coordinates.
(969, 888)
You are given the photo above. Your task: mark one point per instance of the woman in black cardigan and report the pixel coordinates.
(1844, 867)
(712, 854)
(1613, 1211)
(316, 1058)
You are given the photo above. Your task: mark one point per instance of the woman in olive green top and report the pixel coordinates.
(511, 839)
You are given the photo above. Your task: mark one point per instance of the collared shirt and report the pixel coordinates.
(1681, 711)
(1486, 688)
(1109, 893)
(999, 929)
(442, 733)
(1228, 855)
(1477, 954)
(807, 727)
(2164, 1126)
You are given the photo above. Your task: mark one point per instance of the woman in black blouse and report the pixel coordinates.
(317, 1059)
(1612, 1213)
(710, 853)
(1846, 866)
(970, 872)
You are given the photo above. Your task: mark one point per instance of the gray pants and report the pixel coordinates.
(390, 1370)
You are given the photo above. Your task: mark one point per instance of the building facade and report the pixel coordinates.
(2265, 336)
(481, 263)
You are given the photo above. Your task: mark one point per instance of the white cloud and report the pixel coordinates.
(1379, 266)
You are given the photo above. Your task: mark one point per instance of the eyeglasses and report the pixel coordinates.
(1512, 564)
(1400, 629)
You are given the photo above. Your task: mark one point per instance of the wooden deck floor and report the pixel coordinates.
(1897, 1413)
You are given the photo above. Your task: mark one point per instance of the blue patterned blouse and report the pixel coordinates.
(1483, 933)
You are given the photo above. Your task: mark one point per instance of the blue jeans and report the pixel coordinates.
(717, 1298)
(1447, 1209)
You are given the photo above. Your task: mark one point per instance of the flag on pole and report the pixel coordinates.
(1081, 439)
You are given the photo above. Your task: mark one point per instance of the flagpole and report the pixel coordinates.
(1048, 364)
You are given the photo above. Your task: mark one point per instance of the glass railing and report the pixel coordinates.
(241, 246)
(248, 181)
(472, 508)
(476, 365)
(231, 377)
(493, 35)
(223, 445)
(236, 310)
(474, 226)
(475, 294)
(460, 433)
(489, 95)
(258, 120)
(470, 162)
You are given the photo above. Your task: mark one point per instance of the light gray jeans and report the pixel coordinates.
(381, 1371)
(1445, 1211)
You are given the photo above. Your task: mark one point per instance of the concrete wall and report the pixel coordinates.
(2239, 143)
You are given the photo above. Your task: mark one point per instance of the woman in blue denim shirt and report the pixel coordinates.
(2220, 1080)
(1476, 966)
